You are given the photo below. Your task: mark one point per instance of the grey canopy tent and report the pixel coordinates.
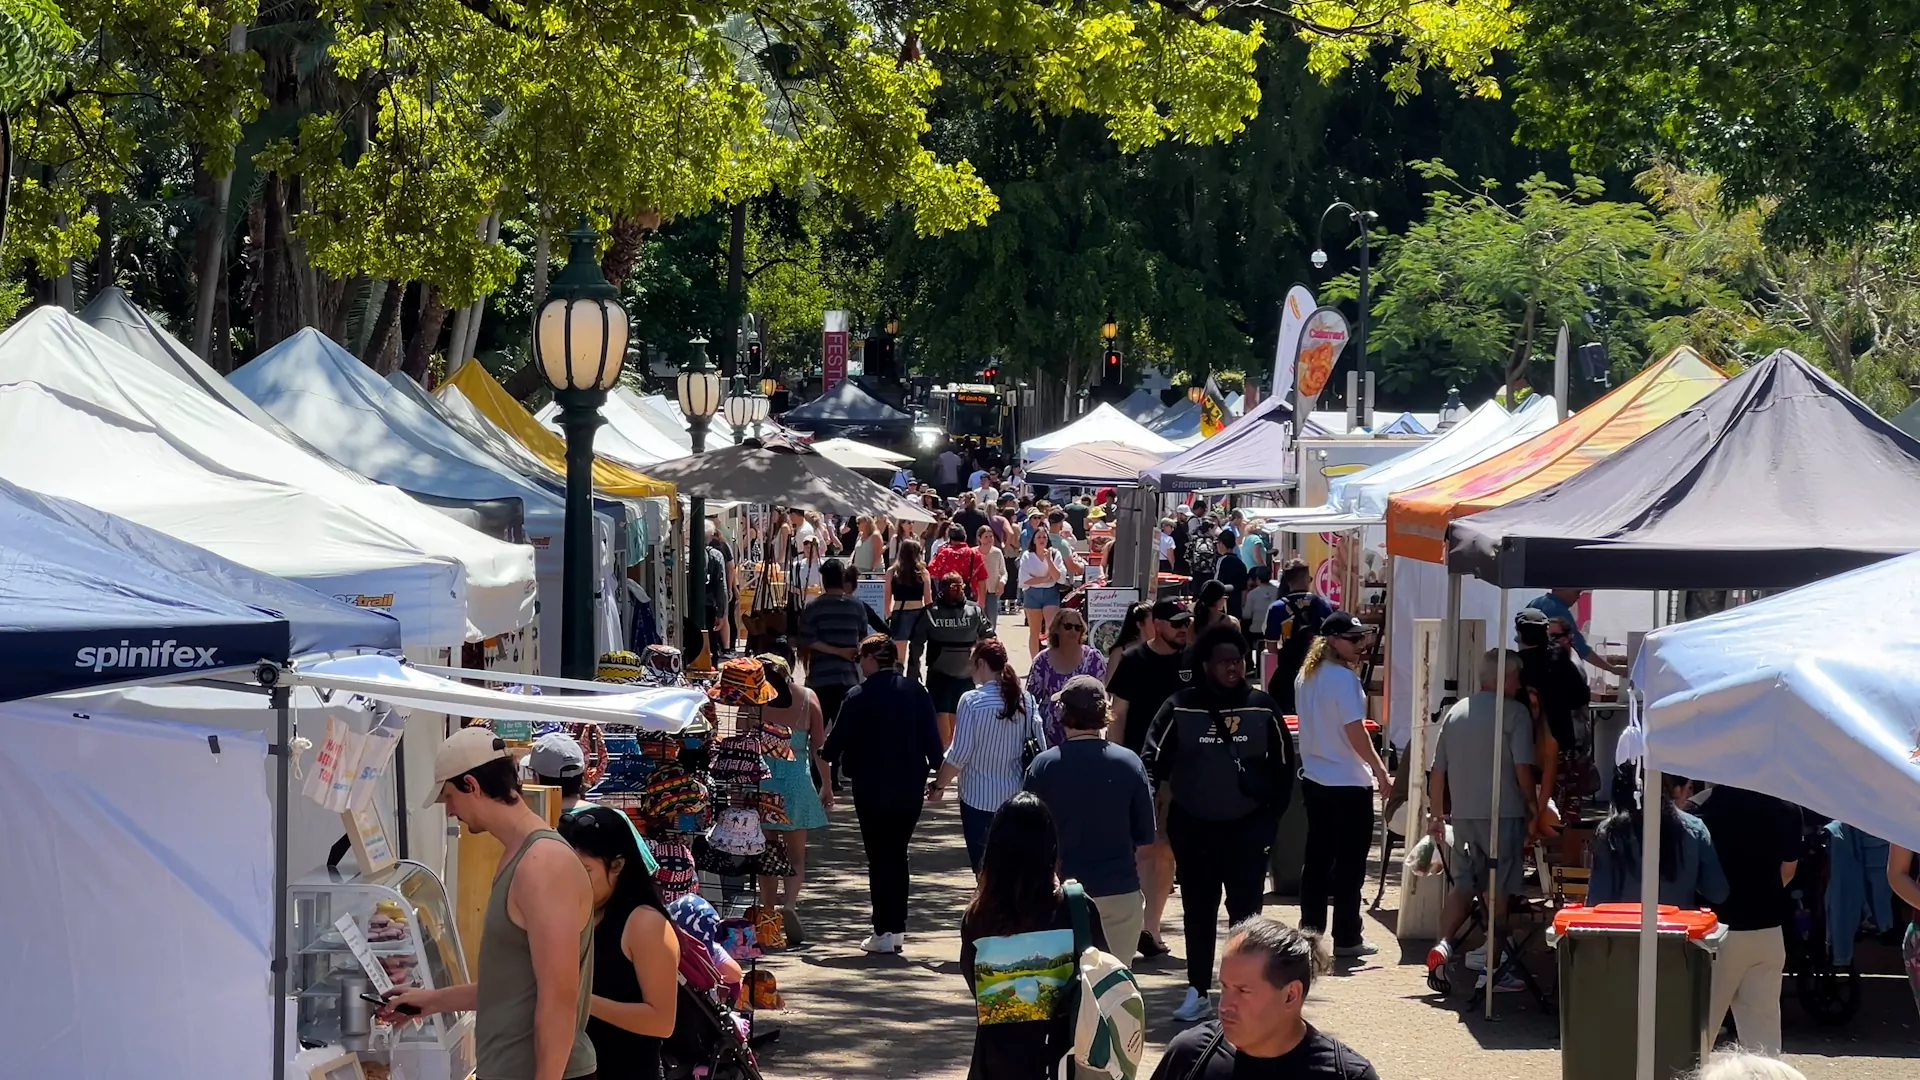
(1094, 463)
(782, 474)
(847, 409)
(1777, 478)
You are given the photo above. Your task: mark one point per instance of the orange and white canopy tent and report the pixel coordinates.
(1417, 518)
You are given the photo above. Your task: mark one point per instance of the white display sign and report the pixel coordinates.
(872, 591)
(1110, 605)
(363, 952)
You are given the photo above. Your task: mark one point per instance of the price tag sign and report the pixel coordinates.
(363, 952)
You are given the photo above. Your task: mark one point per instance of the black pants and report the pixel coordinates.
(1339, 834)
(886, 831)
(1209, 857)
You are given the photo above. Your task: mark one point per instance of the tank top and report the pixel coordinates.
(621, 1053)
(910, 590)
(503, 1013)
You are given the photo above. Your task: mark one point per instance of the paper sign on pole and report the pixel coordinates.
(1293, 312)
(833, 350)
(1106, 612)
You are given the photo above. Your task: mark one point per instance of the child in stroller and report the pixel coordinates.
(710, 1039)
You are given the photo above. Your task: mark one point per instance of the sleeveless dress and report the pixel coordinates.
(621, 1053)
(791, 780)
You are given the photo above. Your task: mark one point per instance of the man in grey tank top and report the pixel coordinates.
(536, 946)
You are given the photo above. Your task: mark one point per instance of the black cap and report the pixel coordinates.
(1343, 624)
(1172, 611)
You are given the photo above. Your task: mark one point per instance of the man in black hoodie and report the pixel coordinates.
(1221, 747)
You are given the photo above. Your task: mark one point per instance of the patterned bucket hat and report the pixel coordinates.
(676, 876)
(737, 832)
(664, 660)
(619, 666)
(743, 681)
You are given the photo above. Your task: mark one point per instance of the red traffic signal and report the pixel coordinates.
(990, 373)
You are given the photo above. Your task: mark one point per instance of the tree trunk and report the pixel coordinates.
(420, 351)
(542, 256)
(279, 315)
(210, 250)
(6, 175)
(336, 299)
(381, 340)
(624, 238)
(105, 265)
(736, 285)
(220, 345)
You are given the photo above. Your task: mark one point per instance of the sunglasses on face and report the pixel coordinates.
(1074, 627)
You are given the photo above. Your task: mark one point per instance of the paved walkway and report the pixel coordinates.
(855, 1016)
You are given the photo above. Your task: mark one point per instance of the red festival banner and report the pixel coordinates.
(833, 350)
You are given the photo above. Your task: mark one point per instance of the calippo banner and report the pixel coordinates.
(1293, 312)
(1417, 519)
(1322, 337)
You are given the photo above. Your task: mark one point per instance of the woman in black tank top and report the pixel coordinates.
(636, 955)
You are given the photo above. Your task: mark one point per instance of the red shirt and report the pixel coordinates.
(959, 559)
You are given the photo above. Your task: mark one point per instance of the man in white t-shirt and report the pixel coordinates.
(1339, 770)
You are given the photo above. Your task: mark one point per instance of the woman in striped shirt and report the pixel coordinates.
(991, 729)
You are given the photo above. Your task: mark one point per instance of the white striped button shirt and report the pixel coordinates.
(986, 748)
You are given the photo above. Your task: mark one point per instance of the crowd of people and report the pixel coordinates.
(1090, 778)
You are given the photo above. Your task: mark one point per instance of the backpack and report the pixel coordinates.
(1109, 1017)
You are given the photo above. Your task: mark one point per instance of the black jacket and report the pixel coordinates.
(887, 740)
(1214, 780)
(1554, 688)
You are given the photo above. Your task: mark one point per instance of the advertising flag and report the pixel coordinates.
(1293, 312)
(833, 350)
(1322, 337)
(1213, 410)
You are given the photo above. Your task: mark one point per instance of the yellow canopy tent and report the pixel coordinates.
(492, 399)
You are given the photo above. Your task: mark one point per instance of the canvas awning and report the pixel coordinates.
(492, 399)
(1776, 479)
(1360, 499)
(784, 475)
(846, 407)
(389, 679)
(828, 446)
(1255, 449)
(1094, 463)
(1417, 519)
(1103, 424)
(83, 418)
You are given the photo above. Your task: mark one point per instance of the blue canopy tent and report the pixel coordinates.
(90, 600)
(848, 410)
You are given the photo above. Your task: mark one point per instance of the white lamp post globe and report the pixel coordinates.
(739, 410)
(698, 393)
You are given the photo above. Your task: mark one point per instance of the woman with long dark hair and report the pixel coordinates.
(1043, 580)
(1211, 605)
(994, 722)
(1137, 627)
(1690, 871)
(908, 592)
(636, 955)
(1017, 949)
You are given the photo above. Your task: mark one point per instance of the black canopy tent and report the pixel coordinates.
(1777, 478)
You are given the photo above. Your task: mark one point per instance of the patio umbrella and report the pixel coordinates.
(828, 446)
(785, 475)
(1104, 462)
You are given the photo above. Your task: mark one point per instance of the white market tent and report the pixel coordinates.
(1102, 424)
(828, 447)
(674, 422)
(1829, 721)
(209, 857)
(634, 435)
(337, 403)
(83, 418)
(1418, 588)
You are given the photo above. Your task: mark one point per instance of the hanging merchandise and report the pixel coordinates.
(676, 877)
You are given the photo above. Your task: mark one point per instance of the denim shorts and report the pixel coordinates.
(1036, 597)
(901, 623)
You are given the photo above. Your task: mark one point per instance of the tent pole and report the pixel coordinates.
(283, 751)
(1494, 899)
(1652, 796)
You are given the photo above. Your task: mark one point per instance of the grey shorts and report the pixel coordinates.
(1469, 855)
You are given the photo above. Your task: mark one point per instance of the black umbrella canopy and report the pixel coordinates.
(1777, 478)
(783, 474)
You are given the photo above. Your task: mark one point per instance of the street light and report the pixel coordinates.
(1196, 393)
(1109, 329)
(1453, 411)
(744, 408)
(579, 341)
(1360, 218)
(698, 390)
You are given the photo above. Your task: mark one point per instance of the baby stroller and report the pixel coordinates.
(709, 1041)
(1827, 994)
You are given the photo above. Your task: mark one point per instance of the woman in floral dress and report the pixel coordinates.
(1067, 654)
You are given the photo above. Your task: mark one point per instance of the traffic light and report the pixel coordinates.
(879, 353)
(989, 373)
(755, 361)
(1110, 368)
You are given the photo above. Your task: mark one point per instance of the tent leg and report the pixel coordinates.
(402, 806)
(1652, 795)
(283, 787)
(1494, 898)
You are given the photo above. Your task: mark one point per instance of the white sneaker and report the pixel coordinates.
(1350, 951)
(878, 943)
(1509, 983)
(1197, 1006)
(1476, 959)
(898, 941)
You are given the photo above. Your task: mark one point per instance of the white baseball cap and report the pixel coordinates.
(466, 749)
